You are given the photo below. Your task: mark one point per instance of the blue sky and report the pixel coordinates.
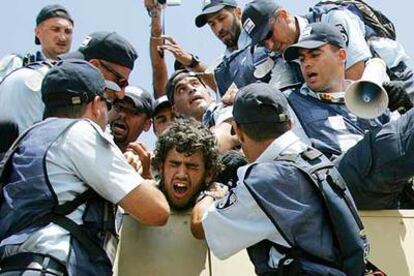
(130, 19)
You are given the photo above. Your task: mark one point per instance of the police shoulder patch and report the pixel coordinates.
(227, 201)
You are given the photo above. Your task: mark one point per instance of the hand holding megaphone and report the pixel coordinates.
(397, 96)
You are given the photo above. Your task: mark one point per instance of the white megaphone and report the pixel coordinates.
(366, 97)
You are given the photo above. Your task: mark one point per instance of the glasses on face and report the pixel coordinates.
(120, 80)
(268, 36)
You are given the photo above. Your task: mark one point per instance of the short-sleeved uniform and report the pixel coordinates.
(20, 95)
(81, 158)
(239, 213)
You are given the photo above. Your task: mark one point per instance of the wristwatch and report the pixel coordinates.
(204, 194)
(195, 60)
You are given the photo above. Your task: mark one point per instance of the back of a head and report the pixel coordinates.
(71, 85)
(108, 46)
(262, 111)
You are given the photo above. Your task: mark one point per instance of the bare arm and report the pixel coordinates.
(215, 191)
(355, 71)
(197, 215)
(159, 66)
(185, 58)
(147, 204)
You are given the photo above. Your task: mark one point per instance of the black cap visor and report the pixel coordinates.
(201, 19)
(292, 52)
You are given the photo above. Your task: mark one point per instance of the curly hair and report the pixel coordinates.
(187, 136)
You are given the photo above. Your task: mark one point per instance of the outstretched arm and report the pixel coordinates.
(159, 66)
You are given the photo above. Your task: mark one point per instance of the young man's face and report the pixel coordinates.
(191, 97)
(163, 119)
(323, 67)
(126, 123)
(226, 25)
(183, 178)
(55, 36)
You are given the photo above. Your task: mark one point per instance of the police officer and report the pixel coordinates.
(276, 28)
(319, 103)
(334, 130)
(53, 32)
(73, 175)
(20, 98)
(274, 206)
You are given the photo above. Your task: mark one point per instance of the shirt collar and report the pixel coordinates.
(333, 97)
(283, 144)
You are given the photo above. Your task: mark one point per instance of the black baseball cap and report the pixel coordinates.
(142, 99)
(51, 11)
(160, 103)
(72, 82)
(108, 46)
(212, 6)
(256, 17)
(314, 36)
(260, 103)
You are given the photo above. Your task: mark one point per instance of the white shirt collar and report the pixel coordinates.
(287, 143)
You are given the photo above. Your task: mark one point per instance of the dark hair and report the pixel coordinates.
(265, 131)
(187, 136)
(69, 111)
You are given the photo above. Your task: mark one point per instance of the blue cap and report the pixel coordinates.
(260, 103)
(314, 36)
(108, 46)
(142, 99)
(51, 11)
(212, 6)
(256, 17)
(72, 82)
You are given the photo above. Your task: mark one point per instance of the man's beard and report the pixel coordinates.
(190, 203)
(235, 29)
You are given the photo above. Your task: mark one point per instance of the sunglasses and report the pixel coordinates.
(268, 36)
(120, 80)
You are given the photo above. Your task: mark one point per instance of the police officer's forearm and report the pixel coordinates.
(208, 79)
(147, 204)
(197, 215)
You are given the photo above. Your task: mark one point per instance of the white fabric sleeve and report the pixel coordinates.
(237, 222)
(98, 162)
(353, 30)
